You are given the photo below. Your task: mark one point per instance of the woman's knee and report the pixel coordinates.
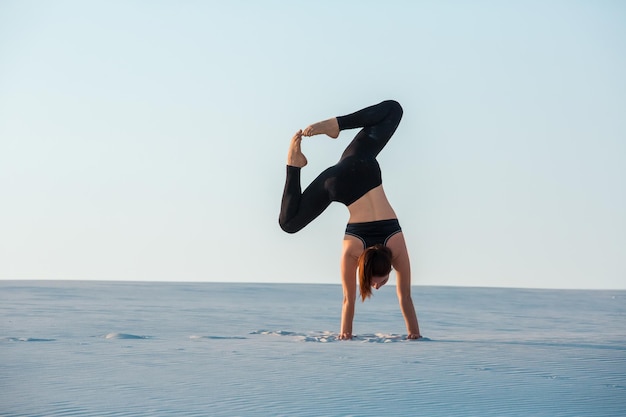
(394, 108)
(289, 227)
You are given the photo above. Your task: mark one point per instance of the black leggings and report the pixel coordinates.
(356, 173)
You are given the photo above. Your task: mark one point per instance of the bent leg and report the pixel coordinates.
(379, 122)
(300, 208)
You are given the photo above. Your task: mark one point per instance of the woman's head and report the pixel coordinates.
(374, 269)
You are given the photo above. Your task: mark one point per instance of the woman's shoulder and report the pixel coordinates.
(352, 246)
(397, 244)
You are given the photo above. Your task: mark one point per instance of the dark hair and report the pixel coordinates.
(375, 261)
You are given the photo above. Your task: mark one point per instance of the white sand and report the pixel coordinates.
(110, 349)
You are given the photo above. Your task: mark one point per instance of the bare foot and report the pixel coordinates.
(328, 127)
(295, 157)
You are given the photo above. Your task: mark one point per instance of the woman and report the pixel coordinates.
(373, 242)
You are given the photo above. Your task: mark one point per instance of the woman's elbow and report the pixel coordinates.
(349, 300)
(404, 294)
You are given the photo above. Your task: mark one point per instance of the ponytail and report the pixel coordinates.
(375, 261)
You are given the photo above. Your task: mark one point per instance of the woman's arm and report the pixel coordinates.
(402, 265)
(349, 262)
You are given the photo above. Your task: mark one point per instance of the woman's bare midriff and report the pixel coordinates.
(371, 207)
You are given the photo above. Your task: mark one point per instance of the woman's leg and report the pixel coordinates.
(379, 122)
(300, 208)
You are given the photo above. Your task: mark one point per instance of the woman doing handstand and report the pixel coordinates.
(373, 241)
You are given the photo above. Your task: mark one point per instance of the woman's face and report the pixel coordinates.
(378, 282)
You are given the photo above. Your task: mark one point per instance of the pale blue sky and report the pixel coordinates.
(146, 140)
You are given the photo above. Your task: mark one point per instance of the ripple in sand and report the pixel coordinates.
(28, 339)
(195, 337)
(126, 336)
